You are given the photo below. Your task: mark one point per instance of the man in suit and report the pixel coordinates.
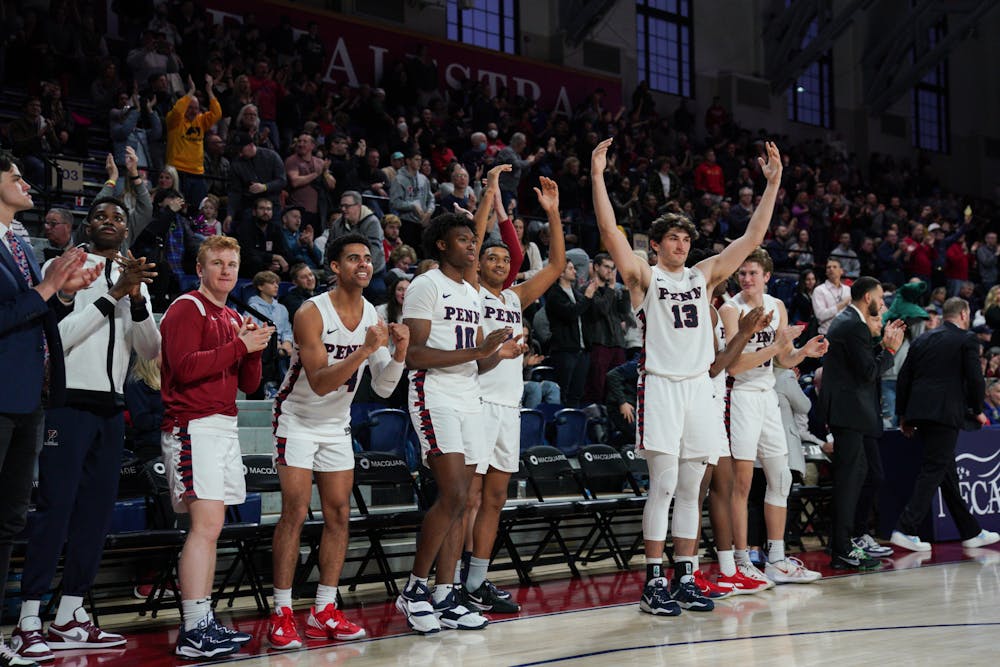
(565, 305)
(850, 406)
(31, 356)
(940, 383)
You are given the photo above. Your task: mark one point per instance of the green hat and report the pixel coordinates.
(904, 304)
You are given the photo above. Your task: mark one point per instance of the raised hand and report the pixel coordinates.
(131, 162)
(111, 167)
(134, 272)
(548, 196)
(493, 175)
(599, 158)
(755, 320)
(892, 334)
(376, 336)
(492, 342)
(400, 336)
(771, 166)
(513, 348)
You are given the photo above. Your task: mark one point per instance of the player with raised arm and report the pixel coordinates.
(337, 334)
(447, 352)
(674, 386)
(756, 430)
(503, 385)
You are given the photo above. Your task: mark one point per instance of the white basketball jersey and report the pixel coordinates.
(719, 381)
(454, 310)
(677, 325)
(761, 377)
(300, 410)
(504, 383)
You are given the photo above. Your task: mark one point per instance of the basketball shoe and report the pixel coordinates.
(79, 632)
(750, 571)
(28, 642)
(740, 584)
(281, 631)
(871, 547)
(487, 598)
(790, 571)
(235, 636)
(656, 599)
(857, 559)
(452, 614)
(330, 623)
(204, 641)
(10, 658)
(707, 588)
(415, 604)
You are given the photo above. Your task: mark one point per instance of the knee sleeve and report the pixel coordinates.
(687, 497)
(662, 484)
(779, 480)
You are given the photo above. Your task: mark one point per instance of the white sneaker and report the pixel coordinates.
(415, 604)
(750, 571)
(911, 542)
(790, 571)
(981, 540)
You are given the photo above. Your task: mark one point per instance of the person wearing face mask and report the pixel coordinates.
(475, 156)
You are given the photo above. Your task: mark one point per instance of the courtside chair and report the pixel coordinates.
(570, 430)
(385, 430)
(606, 477)
(532, 428)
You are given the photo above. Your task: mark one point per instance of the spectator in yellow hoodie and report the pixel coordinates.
(187, 125)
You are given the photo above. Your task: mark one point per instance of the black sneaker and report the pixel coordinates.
(10, 658)
(656, 599)
(856, 559)
(687, 595)
(487, 598)
(235, 636)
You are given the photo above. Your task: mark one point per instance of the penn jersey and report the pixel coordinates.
(300, 410)
(503, 384)
(677, 325)
(719, 381)
(454, 310)
(761, 377)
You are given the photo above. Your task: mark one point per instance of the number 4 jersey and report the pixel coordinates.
(454, 311)
(678, 342)
(298, 410)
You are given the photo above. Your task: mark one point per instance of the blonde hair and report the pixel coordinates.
(174, 176)
(992, 298)
(217, 244)
(265, 278)
(147, 371)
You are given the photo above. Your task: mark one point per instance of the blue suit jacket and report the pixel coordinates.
(24, 316)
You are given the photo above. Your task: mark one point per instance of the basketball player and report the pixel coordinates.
(447, 352)
(674, 387)
(503, 385)
(208, 353)
(337, 334)
(719, 475)
(756, 431)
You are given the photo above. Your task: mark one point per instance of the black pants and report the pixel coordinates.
(857, 474)
(937, 470)
(20, 441)
(77, 485)
(571, 374)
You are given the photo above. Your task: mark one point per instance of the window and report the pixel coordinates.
(491, 24)
(930, 101)
(663, 45)
(810, 100)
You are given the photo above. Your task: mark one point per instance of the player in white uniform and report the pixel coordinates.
(503, 385)
(337, 334)
(674, 386)
(756, 430)
(446, 354)
(719, 475)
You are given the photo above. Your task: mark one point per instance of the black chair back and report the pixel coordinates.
(260, 474)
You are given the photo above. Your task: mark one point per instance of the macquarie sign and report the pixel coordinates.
(359, 52)
(977, 458)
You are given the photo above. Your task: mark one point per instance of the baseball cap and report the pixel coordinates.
(396, 156)
(933, 227)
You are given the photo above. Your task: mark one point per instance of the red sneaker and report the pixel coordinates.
(79, 632)
(740, 584)
(330, 623)
(281, 632)
(707, 588)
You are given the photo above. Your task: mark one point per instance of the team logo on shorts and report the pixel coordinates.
(51, 438)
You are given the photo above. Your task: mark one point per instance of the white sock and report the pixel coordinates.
(414, 580)
(325, 595)
(684, 578)
(458, 572)
(68, 605)
(477, 573)
(775, 551)
(727, 563)
(441, 592)
(194, 612)
(282, 598)
(30, 609)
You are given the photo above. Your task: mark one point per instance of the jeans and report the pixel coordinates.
(20, 442)
(536, 393)
(889, 417)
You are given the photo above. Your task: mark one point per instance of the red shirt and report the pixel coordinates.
(266, 92)
(708, 177)
(921, 260)
(204, 362)
(956, 262)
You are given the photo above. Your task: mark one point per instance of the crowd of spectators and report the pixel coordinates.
(230, 128)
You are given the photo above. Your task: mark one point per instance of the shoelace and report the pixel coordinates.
(286, 625)
(868, 542)
(7, 652)
(491, 589)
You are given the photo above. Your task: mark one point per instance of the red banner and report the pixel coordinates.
(358, 52)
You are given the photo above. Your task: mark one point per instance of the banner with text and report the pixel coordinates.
(359, 52)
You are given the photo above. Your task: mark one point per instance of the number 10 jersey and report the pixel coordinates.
(678, 342)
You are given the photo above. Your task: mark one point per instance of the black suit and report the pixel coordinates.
(939, 383)
(849, 403)
(566, 344)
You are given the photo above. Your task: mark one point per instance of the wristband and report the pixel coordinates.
(111, 182)
(889, 349)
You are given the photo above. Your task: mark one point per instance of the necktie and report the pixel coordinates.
(17, 252)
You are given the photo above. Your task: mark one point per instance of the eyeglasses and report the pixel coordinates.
(348, 205)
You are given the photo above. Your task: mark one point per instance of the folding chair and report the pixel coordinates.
(606, 477)
(385, 431)
(532, 428)
(570, 430)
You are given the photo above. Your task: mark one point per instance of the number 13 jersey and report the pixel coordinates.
(454, 311)
(678, 341)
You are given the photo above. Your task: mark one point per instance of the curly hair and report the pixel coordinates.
(669, 221)
(439, 228)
